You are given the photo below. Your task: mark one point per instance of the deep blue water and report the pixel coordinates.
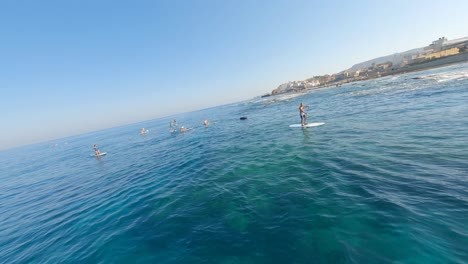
(385, 180)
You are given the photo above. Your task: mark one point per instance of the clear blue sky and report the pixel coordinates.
(69, 67)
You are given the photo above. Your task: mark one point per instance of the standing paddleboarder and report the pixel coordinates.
(303, 114)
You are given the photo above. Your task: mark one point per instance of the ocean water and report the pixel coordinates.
(385, 180)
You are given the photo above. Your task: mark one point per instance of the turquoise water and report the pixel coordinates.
(383, 181)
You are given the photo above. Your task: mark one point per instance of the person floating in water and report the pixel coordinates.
(303, 114)
(96, 150)
(173, 124)
(182, 129)
(205, 122)
(143, 131)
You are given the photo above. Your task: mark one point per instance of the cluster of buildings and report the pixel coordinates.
(440, 52)
(440, 48)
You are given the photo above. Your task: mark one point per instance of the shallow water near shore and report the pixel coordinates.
(383, 181)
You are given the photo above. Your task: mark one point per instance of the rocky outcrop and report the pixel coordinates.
(294, 86)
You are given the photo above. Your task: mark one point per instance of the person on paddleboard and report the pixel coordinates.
(303, 114)
(96, 150)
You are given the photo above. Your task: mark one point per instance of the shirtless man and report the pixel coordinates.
(96, 150)
(303, 114)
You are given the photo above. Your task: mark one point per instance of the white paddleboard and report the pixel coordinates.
(307, 125)
(102, 154)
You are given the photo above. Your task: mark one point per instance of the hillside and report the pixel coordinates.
(396, 59)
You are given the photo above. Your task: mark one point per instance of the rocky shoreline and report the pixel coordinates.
(439, 54)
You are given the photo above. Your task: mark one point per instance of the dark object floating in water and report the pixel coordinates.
(243, 118)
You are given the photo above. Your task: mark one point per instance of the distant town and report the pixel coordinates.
(439, 53)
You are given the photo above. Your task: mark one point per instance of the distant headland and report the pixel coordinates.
(441, 52)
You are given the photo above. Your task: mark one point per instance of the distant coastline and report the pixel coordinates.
(438, 54)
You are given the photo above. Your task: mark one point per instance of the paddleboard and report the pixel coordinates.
(102, 154)
(307, 125)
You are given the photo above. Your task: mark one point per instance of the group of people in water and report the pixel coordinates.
(174, 126)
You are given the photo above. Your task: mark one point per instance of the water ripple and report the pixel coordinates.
(383, 181)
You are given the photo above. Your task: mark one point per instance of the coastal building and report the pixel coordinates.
(442, 48)
(383, 66)
(312, 83)
(409, 58)
(436, 44)
(440, 54)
